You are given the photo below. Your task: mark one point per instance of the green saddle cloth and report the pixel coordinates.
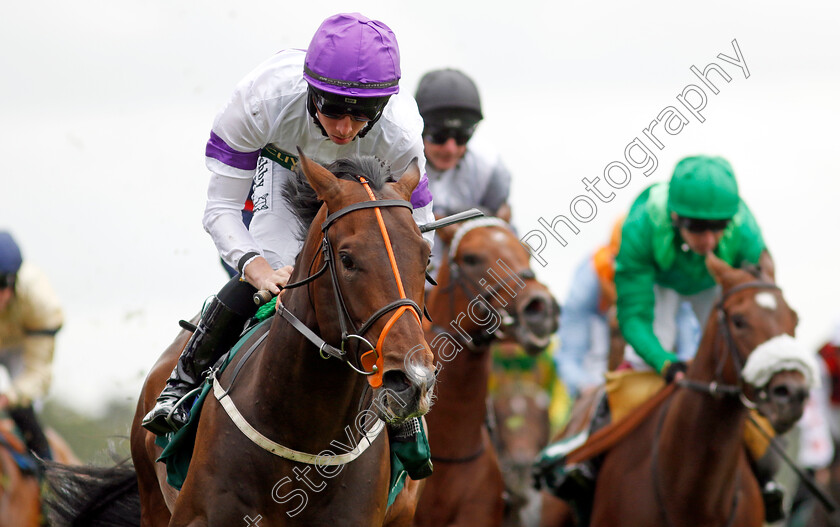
(407, 457)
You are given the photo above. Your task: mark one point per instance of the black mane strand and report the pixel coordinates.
(305, 204)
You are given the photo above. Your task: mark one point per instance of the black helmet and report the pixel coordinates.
(448, 94)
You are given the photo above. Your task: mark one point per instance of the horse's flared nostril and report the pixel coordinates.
(785, 394)
(781, 393)
(535, 307)
(396, 381)
(539, 314)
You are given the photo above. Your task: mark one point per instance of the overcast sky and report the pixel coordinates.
(105, 107)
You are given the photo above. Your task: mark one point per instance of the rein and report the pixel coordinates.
(373, 359)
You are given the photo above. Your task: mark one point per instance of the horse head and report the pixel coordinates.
(376, 258)
(756, 326)
(504, 298)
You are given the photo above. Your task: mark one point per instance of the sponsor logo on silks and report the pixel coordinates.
(282, 158)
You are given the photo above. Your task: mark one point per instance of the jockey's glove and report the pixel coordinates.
(671, 370)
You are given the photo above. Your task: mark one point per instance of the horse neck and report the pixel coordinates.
(317, 398)
(460, 408)
(703, 435)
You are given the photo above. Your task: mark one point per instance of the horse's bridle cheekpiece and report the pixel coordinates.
(715, 388)
(372, 360)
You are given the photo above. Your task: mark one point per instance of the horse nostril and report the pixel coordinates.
(396, 381)
(780, 392)
(535, 307)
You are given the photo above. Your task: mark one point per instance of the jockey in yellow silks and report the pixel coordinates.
(30, 317)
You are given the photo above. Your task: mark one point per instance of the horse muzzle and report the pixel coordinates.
(537, 317)
(783, 400)
(404, 395)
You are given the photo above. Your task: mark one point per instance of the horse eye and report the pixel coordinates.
(346, 261)
(739, 321)
(471, 259)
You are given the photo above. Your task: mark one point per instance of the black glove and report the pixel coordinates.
(671, 371)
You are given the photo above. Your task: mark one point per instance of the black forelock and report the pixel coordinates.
(303, 201)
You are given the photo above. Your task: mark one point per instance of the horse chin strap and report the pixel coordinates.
(717, 388)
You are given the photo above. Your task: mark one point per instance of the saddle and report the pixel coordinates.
(410, 455)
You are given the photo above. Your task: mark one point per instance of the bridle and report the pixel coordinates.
(489, 293)
(718, 388)
(372, 360)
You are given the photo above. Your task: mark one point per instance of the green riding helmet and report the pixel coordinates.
(704, 188)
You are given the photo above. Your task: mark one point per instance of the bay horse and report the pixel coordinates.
(486, 292)
(20, 492)
(686, 463)
(363, 265)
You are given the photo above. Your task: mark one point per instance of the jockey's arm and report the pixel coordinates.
(497, 193)
(42, 318)
(34, 382)
(634, 281)
(504, 212)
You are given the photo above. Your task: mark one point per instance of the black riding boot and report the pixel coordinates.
(218, 329)
(575, 482)
(30, 428)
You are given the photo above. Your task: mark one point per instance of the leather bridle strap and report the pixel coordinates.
(717, 388)
(365, 205)
(381, 311)
(310, 335)
(375, 380)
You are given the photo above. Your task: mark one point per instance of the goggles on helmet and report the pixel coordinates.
(7, 280)
(440, 135)
(336, 106)
(698, 226)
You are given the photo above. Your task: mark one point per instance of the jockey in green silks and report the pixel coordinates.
(662, 259)
(661, 264)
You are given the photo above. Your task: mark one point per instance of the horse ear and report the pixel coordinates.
(767, 266)
(322, 181)
(409, 180)
(447, 233)
(718, 268)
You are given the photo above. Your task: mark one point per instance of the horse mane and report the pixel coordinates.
(303, 201)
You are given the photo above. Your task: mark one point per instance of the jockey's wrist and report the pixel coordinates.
(244, 261)
(671, 370)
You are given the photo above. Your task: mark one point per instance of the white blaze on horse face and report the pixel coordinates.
(780, 353)
(766, 300)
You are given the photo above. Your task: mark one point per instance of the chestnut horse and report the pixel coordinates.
(686, 464)
(486, 292)
(362, 265)
(20, 492)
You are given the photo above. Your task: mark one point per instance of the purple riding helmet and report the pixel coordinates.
(352, 67)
